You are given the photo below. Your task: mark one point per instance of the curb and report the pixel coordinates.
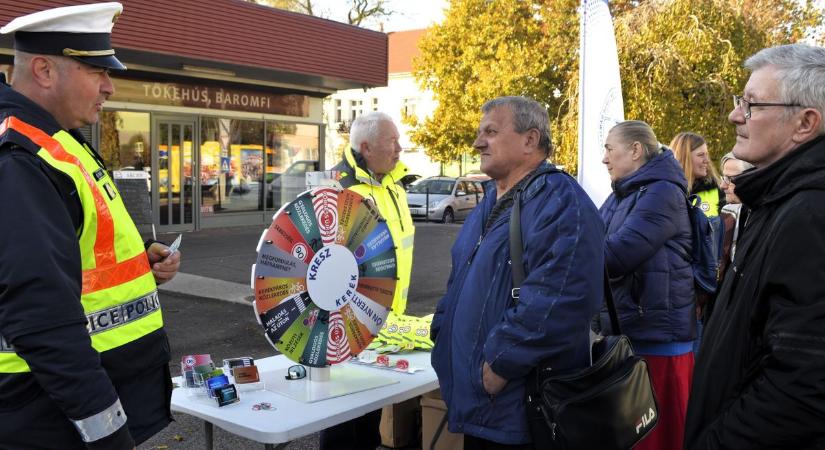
(202, 287)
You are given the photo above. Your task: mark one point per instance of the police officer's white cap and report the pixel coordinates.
(82, 32)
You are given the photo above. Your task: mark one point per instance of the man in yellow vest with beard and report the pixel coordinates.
(84, 358)
(371, 167)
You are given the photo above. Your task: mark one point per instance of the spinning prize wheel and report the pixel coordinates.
(325, 277)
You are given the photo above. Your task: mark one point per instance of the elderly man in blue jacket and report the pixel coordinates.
(485, 342)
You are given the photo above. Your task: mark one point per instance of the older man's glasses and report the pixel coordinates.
(740, 102)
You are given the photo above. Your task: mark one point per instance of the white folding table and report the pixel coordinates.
(291, 419)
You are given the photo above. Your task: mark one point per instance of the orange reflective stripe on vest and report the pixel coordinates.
(107, 271)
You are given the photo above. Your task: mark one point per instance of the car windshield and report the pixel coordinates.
(442, 187)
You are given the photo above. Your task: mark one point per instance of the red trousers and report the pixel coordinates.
(671, 377)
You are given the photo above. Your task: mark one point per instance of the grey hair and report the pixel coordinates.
(800, 74)
(527, 114)
(729, 156)
(365, 129)
(638, 131)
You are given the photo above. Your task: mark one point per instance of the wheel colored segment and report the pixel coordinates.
(302, 215)
(270, 292)
(381, 266)
(378, 241)
(275, 263)
(381, 290)
(278, 320)
(325, 277)
(284, 235)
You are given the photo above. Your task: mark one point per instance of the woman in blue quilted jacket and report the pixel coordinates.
(648, 228)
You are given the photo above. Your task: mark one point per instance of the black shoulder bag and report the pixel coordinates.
(609, 405)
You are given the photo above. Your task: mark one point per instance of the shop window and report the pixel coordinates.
(124, 140)
(231, 165)
(375, 104)
(291, 151)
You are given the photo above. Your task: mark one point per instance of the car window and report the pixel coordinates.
(471, 187)
(298, 167)
(479, 187)
(462, 189)
(441, 187)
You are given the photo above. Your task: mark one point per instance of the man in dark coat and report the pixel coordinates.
(485, 342)
(759, 380)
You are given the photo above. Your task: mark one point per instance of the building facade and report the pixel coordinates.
(221, 110)
(400, 96)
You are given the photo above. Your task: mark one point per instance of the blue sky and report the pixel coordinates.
(410, 14)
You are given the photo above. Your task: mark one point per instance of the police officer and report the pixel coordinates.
(371, 167)
(84, 358)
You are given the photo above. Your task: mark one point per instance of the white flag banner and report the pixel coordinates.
(600, 96)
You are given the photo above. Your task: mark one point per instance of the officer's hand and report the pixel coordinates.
(164, 265)
(493, 383)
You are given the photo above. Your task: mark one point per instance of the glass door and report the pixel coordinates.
(174, 189)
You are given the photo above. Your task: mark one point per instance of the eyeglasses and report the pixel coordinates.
(739, 101)
(296, 372)
(726, 179)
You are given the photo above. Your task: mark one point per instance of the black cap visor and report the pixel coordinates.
(106, 62)
(57, 43)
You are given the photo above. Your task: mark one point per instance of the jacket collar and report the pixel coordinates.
(529, 191)
(704, 184)
(13, 103)
(803, 168)
(662, 167)
(364, 175)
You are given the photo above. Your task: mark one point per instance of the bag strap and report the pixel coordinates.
(517, 246)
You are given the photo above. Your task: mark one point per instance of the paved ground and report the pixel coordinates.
(207, 310)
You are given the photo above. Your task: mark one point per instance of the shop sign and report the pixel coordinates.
(209, 97)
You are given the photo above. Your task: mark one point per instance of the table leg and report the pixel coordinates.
(207, 434)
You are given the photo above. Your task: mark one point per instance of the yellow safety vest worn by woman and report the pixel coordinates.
(711, 196)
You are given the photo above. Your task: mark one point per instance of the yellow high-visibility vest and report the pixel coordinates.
(391, 199)
(710, 201)
(119, 295)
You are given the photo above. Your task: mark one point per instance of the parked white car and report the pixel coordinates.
(444, 199)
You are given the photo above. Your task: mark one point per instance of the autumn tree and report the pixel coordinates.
(681, 60)
(484, 49)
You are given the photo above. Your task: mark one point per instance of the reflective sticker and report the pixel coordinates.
(110, 191)
(122, 314)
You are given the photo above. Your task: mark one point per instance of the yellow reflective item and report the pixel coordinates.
(408, 332)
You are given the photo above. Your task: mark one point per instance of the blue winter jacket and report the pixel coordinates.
(477, 321)
(646, 218)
